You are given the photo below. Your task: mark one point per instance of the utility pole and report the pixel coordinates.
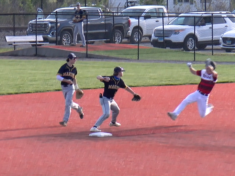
(205, 5)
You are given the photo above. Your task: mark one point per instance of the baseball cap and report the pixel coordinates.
(209, 62)
(78, 4)
(71, 56)
(118, 69)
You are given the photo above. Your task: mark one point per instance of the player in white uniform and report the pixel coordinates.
(201, 96)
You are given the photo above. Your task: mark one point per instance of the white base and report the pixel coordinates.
(100, 134)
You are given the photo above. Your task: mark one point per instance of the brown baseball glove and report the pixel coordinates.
(79, 94)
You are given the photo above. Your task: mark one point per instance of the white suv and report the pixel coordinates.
(180, 32)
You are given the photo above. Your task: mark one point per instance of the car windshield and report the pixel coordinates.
(133, 12)
(185, 20)
(232, 18)
(61, 14)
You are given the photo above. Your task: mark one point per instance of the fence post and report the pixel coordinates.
(36, 48)
(212, 32)
(113, 28)
(138, 57)
(87, 35)
(56, 27)
(163, 31)
(14, 29)
(194, 52)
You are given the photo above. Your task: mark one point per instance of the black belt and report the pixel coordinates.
(202, 93)
(67, 85)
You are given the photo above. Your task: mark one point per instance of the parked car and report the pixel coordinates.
(180, 32)
(227, 40)
(150, 16)
(98, 26)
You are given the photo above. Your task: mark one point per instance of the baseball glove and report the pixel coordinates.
(76, 19)
(79, 94)
(136, 98)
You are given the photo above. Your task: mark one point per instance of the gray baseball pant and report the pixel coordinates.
(108, 105)
(78, 28)
(68, 95)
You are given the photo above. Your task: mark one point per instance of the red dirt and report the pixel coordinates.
(148, 142)
(91, 47)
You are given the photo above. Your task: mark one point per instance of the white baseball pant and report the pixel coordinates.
(202, 102)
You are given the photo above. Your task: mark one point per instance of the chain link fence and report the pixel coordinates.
(131, 35)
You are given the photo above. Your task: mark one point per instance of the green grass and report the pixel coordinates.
(2, 50)
(23, 76)
(166, 54)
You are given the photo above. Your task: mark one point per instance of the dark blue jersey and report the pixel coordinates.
(79, 14)
(67, 72)
(111, 87)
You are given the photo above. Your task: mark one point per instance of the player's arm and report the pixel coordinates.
(62, 79)
(75, 83)
(128, 89)
(101, 78)
(191, 69)
(213, 72)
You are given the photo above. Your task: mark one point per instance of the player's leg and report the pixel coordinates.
(81, 32)
(69, 91)
(189, 99)
(203, 107)
(105, 104)
(78, 108)
(75, 33)
(115, 111)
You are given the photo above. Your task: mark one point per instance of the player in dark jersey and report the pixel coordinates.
(67, 75)
(111, 86)
(201, 96)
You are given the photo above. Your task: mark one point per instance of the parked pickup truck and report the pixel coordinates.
(96, 26)
(182, 33)
(151, 16)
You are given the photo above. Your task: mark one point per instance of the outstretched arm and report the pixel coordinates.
(101, 78)
(128, 89)
(191, 69)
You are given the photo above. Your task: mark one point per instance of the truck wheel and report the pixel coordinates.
(136, 36)
(117, 37)
(189, 43)
(66, 38)
(201, 46)
(228, 50)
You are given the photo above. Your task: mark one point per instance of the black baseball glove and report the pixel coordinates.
(136, 98)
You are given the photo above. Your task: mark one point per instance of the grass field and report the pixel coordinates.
(166, 54)
(23, 76)
(2, 50)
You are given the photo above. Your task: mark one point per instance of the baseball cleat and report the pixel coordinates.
(80, 112)
(172, 115)
(63, 123)
(116, 124)
(95, 129)
(210, 106)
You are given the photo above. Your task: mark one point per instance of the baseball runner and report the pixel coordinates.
(79, 16)
(111, 86)
(201, 96)
(67, 75)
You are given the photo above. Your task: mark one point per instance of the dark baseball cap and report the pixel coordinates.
(78, 4)
(72, 56)
(118, 69)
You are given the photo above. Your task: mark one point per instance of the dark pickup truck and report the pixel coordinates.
(97, 26)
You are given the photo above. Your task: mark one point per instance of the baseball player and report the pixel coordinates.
(78, 26)
(67, 75)
(111, 86)
(201, 96)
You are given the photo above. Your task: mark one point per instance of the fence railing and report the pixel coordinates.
(143, 35)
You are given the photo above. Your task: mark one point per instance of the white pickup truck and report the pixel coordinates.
(150, 16)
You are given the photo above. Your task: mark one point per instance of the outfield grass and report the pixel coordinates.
(23, 76)
(166, 54)
(2, 50)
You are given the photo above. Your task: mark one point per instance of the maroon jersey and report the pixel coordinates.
(207, 81)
